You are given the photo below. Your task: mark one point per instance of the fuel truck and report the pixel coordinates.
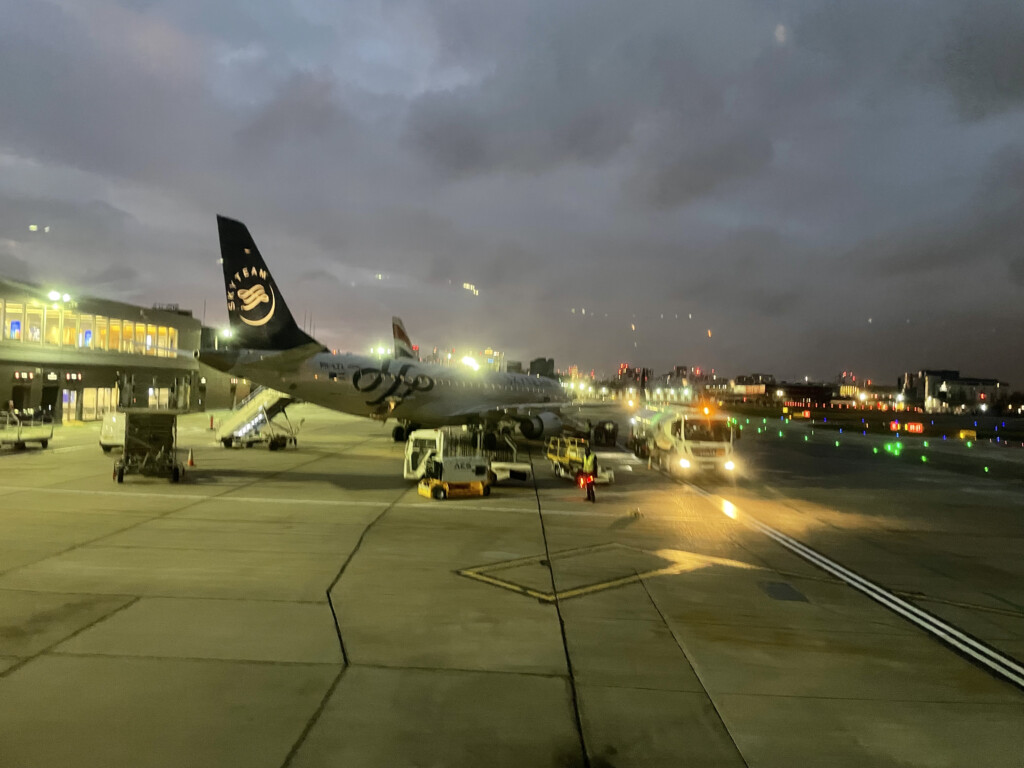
(685, 440)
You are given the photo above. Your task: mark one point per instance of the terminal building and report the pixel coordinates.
(76, 358)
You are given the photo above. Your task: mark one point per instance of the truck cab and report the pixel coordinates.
(686, 440)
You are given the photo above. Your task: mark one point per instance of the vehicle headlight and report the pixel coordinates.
(684, 463)
(730, 466)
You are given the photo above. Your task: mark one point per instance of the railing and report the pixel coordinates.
(16, 419)
(249, 397)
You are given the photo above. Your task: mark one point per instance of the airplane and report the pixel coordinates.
(403, 344)
(268, 348)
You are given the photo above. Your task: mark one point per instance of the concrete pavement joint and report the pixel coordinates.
(584, 754)
(696, 674)
(193, 501)
(311, 723)
(129, 603)
(157, 596)
(341, 571)
(199, 659)
(413, 668)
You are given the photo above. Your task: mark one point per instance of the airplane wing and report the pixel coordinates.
(491, 414)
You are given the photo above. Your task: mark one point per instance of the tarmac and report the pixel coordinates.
(307, 608)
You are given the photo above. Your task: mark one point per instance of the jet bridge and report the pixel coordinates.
(253, 421)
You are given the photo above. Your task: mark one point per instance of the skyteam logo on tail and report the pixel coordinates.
(251, 295)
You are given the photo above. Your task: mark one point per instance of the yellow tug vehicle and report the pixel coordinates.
(456, 477)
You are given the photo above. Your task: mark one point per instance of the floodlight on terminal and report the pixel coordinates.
(53, 295)
(467, 360)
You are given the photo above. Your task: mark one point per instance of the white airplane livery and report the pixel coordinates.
(270, 349)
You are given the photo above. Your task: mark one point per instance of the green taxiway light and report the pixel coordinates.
(924, 458)
(986, 469)
(874, 450)
(759, 430)
(969, 443)
(764, 421)
(780, 433)
(837, 443)
(806, 438)
(925, 443)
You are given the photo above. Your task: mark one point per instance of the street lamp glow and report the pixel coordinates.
(53, 295)
(66, 298)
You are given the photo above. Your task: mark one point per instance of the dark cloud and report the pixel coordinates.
(782, 172)
(672, 178)
(14, 268)
(982, 62)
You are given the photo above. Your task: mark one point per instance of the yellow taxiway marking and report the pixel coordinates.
(681, 562)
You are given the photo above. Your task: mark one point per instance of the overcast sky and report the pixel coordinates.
(823, 186)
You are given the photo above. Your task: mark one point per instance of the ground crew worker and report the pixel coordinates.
(590, 469)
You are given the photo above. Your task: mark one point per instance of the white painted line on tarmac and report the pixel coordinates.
(193, 497)
(1002, 665)
(182, 496)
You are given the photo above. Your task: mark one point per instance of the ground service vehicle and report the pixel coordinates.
(19, 429)
(456, 477)
(112, 431)
(150, 438)
(566, 456)
(454, 442)
(260, 418)
(685, 440)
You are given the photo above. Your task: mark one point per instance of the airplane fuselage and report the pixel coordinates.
(406, 390)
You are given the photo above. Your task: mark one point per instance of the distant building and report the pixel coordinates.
(803, 394)
(543, 366)
(765, 379)
(77, 357)
(514, 366)
(944, 390)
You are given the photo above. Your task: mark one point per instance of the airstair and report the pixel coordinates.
(253, 421)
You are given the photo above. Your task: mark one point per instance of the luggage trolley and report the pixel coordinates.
(150, 438)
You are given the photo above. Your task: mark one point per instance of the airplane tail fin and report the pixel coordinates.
(257, 313)
(403, 345)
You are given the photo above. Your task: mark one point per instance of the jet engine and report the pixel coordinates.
(537, 427)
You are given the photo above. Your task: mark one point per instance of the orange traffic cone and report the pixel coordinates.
(191, 461)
